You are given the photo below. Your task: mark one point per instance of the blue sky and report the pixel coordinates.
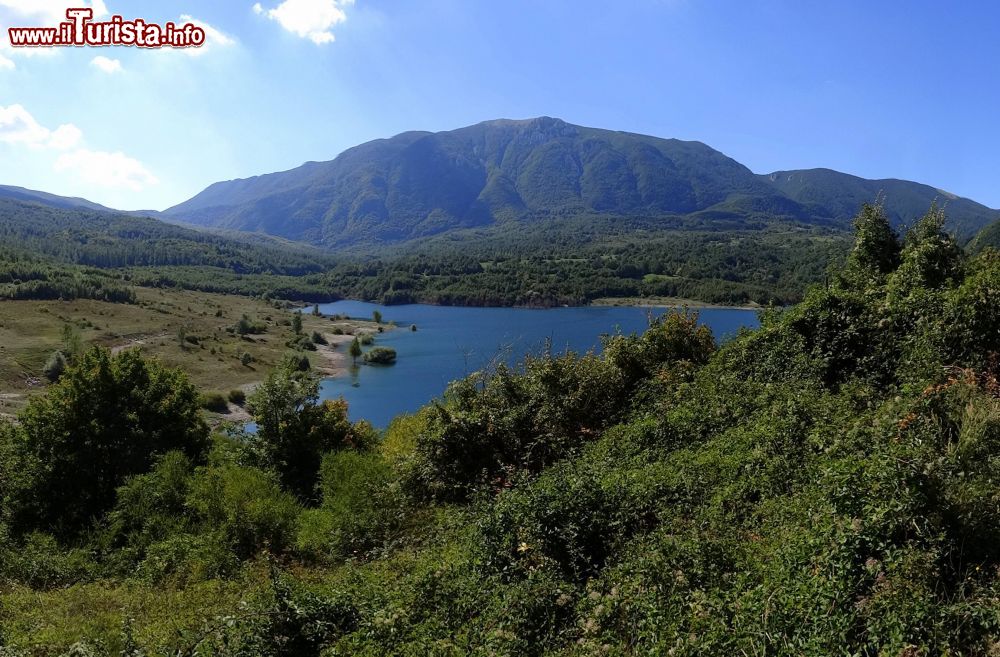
(877, 89)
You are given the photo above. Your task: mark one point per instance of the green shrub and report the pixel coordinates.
(214, 401)
(492, 427)
(149, 508)
(237, 396)
(295, 429)
(108, 418)
(246, 326)
(246, 505)
(291, 620)
(360, 508)
(38, 560)
(381, 356)
(301, 343)
(55, 366)
(185, 558)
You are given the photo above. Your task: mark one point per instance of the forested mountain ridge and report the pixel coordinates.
(838, 194)
(103, 238)
(48, 252)
(561, 261)
(419, 184)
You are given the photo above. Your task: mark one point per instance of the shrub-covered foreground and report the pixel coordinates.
(826, 485)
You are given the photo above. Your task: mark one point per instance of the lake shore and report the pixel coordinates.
(667, 302)
(614, 302)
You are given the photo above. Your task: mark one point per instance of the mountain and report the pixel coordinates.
(106, 239)
(835, 195)
(419, 184)
(987, 237)
(63, 202)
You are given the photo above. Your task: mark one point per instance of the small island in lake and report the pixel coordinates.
(380, 356)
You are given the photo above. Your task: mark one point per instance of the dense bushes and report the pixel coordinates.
(361, 507)
(105, 420)
(826, 484)
(214, 401)
(295, 429)
(493, 426)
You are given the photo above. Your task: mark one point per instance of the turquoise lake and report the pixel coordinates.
(451, 342)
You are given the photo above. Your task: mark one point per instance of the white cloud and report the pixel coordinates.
(64, 137)
(6, 63)
(309, 19)
(18, 128)
(106, 64)
(214, 37)
(113, 170)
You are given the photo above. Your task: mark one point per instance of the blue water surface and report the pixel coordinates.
(452, 342)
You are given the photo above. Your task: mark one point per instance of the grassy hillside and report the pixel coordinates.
(184, 329)
(826, 484)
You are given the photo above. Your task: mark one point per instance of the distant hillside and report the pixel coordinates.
(835, 195)
(419, 184)
(987, 237)
(105, 239)
(50, 252)
(65, 202)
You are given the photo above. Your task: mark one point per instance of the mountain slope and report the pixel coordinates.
(63, 202)
(106, 239)
(987, 237)
(419, 184)
(829, 193)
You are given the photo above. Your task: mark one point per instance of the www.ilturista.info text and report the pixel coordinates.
(82, 30)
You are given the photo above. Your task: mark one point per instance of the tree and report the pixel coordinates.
(315, 311)
(71, 341)
(108, 418)
(297, 322)
(355, 349)
(55, 366)
(377, 316)
(295, 429)
(243, 327)
(876, 246)
(930, 257)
